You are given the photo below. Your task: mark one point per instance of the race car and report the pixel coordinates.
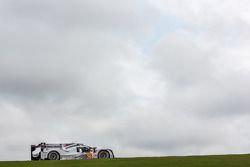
(68, 151)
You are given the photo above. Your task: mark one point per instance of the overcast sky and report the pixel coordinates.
(143, 77)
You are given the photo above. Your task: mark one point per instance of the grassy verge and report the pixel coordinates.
(185, 161)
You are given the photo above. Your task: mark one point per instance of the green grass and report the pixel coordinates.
(178, 161)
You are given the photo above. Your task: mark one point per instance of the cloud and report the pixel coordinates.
(182, 61)
(143, 78)
(219, 22)
(110, 15)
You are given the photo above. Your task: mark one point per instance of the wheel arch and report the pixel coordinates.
(111, 153)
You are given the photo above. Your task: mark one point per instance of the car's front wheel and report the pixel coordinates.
(103, 154)
(53, 155)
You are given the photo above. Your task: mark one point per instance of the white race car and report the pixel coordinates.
(68, 151)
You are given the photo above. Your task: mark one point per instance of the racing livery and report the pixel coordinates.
(68, 151)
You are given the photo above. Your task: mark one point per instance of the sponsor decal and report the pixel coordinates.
(88, 155)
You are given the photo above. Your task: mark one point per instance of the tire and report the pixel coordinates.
(53, 155)
(103, 154)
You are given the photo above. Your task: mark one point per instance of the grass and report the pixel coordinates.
(178, 161)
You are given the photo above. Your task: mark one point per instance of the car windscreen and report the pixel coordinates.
(83, 149)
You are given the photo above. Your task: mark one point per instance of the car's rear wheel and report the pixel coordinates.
(103, 154)
(53, 155)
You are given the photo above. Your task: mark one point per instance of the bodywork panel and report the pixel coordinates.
(66, 151)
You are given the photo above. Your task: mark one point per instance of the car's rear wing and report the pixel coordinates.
(34, 148)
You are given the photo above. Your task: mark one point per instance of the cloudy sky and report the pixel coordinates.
(143, 77)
